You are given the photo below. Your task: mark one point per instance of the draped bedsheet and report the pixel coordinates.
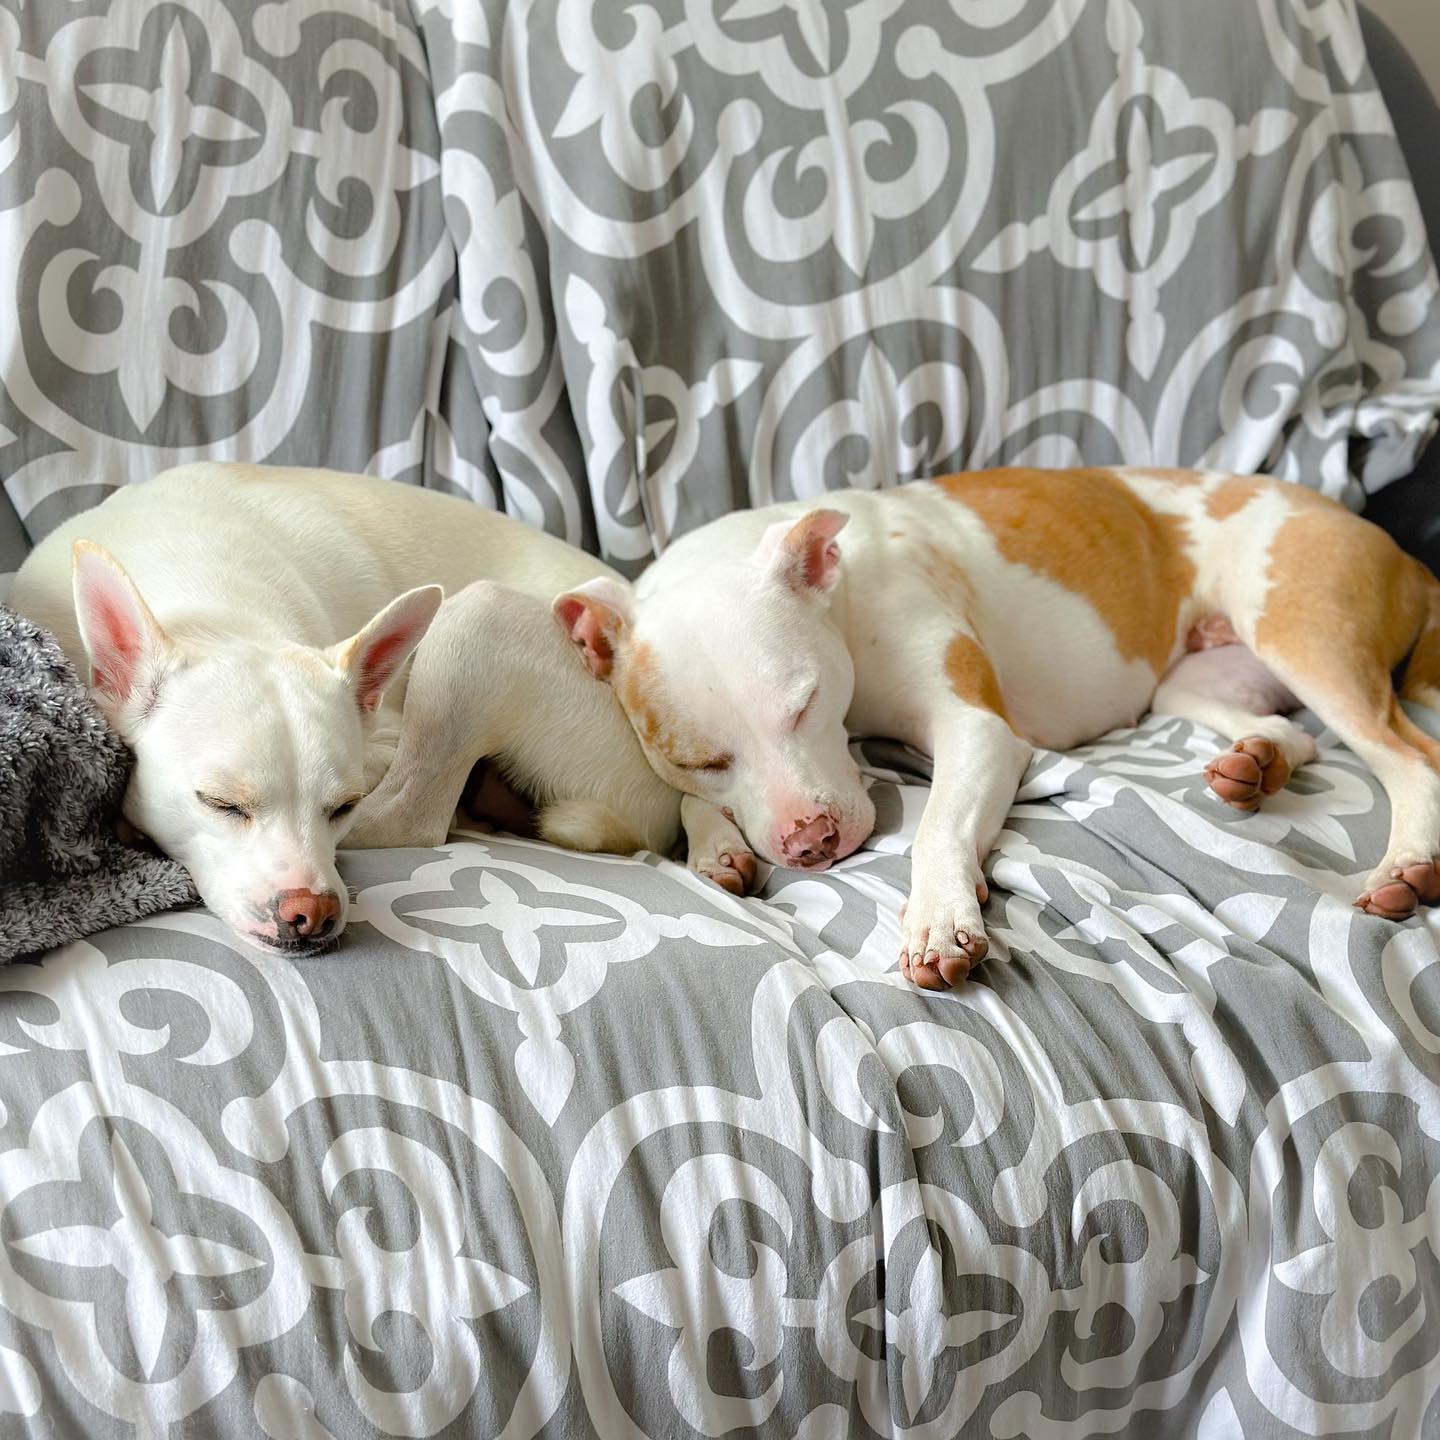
(621, 265)
(565, 1146)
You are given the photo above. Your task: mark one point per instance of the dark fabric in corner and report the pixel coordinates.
(1410, 508)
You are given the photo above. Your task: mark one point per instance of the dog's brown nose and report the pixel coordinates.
(304, 915)
(811, 841)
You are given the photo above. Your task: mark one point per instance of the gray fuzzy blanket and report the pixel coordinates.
(64, 872)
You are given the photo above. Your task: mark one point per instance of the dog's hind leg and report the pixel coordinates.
(1363, 713)
(1412, 734)
(1229, 690)
(446, 727)
(1422, 671)
(496, 678)
(1333, 633)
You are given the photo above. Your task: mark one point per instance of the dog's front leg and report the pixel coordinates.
(978, 764)
(715, 847)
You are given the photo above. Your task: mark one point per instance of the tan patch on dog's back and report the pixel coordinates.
(1231, 496)
(1234, 493)
(972, 676)
(1176, 477)
(1087, 531)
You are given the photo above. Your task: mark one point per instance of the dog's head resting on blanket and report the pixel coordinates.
(737, 684)
(249, 758)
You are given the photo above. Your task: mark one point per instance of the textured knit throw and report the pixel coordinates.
(64, 872)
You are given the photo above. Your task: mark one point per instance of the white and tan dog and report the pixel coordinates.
(213, 605)
(983, 614)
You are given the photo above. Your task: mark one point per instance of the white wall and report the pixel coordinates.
(1417, 23)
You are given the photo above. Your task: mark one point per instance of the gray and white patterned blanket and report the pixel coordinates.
(566, 1145)
(621, 265)
(563, 1146)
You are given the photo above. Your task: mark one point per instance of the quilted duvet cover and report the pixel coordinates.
(573, 1146)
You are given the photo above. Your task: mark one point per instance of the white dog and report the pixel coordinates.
(986, 613)
(242, 628)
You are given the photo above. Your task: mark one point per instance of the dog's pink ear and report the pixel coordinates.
(371, 658)
(802, 553)
(594, 619)
(122, 638)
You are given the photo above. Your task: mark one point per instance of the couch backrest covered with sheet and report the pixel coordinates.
(618, 268)
(565, 1145)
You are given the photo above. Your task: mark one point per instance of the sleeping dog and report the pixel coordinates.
(243, 635)
(981, 615)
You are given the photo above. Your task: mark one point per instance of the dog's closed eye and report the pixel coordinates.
(799, 717)
(222, 806)
(340, 811)
(716, 765)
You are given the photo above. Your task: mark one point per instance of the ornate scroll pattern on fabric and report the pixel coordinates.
(619, 267)
(558, 1144)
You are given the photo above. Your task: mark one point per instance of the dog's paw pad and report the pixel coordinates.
(1250, 769)
(1424, 879)
(941, 966)
(934, 971)
(733, 871)
(1392, 901)
(1404, 891)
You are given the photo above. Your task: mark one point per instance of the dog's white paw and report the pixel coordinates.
(715, 848)
(732, 870)
(1395, 891)
(942, 940)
